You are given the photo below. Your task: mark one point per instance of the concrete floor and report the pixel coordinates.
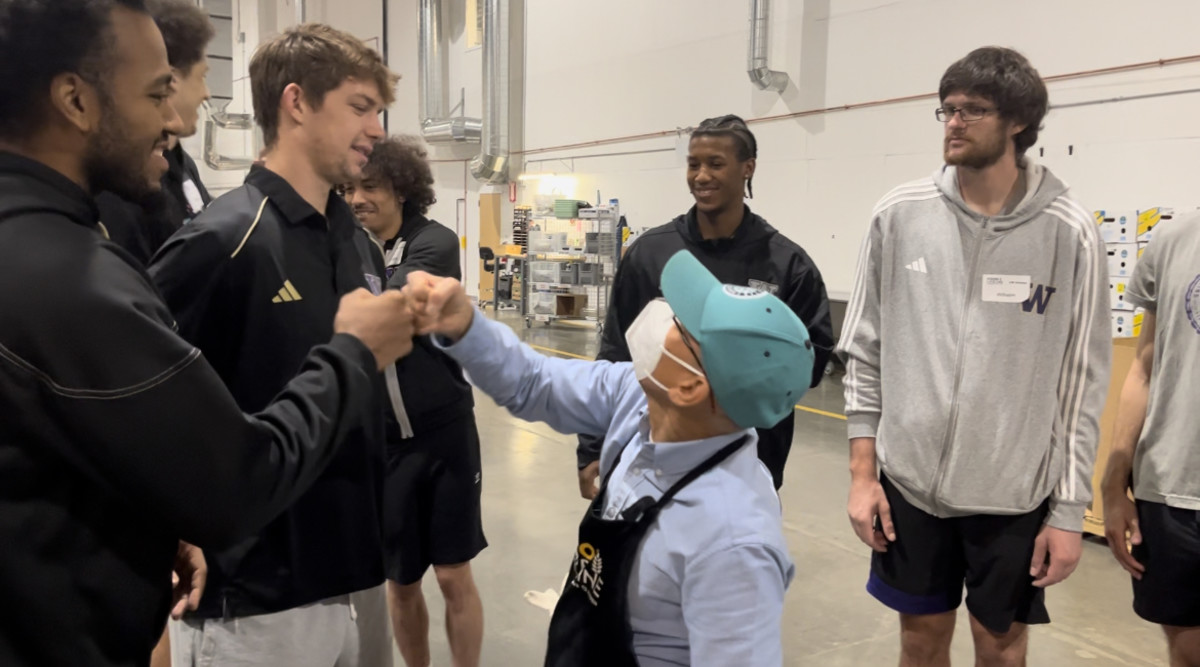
(532, 508)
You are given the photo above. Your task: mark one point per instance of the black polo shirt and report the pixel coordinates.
(255, 282)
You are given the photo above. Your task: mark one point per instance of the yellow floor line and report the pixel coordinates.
(802, 408)
(831, 415)
(559, 352)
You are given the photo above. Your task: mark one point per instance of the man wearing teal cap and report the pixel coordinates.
(681, 557)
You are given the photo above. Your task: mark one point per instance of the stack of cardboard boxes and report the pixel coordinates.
(1126, 236)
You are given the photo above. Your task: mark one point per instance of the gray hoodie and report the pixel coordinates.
(977, 349)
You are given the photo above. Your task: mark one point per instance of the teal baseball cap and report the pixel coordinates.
(755, 350)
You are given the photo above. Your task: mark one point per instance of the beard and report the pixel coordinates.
(116, 163)
(978, 154)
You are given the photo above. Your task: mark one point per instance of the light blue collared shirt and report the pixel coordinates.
(709, 583)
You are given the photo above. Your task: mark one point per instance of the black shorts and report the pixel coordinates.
(1170, 551)
(431, 512)
(924, 570)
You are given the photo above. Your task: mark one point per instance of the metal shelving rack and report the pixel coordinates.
(599, 250)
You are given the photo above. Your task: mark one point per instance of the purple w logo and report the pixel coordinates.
(1039, 299)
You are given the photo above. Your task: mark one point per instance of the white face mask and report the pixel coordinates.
(646, 337)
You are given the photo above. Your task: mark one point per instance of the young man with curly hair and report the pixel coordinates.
(432, 489)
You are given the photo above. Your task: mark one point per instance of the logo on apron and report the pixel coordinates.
(585, 572)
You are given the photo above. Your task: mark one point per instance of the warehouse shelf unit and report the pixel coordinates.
(570, 264)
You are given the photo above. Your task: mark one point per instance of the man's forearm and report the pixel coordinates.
(1131, 416)
(862, 458)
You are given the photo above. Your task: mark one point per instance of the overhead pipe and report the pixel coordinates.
(760, 39)
(436, 124)
(491, 165)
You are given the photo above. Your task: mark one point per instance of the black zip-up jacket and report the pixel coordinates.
(117, 439)
(757, 256)
(141, 229)
(432, 385)
(255, 282)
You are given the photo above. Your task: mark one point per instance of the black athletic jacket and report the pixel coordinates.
(255, 282)
(141, 232)
(756, 255)
(117, 438)
(432, 386)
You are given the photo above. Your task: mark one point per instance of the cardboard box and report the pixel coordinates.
(1121, 259)
(1116, 294)
(1149, 219)
(570, 305)
(1122, 359)
(1117, 227)
(1127, 324)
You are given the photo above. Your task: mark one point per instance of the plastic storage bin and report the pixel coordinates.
(547, 242)
(568, 274)
(543, 303)
(590, 274)
(543, 272)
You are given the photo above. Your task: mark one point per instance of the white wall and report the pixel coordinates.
(650, 66)
(599, 70)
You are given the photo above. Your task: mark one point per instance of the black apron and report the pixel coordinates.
(590, 625)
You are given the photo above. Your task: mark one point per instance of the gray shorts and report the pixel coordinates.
(344, 631)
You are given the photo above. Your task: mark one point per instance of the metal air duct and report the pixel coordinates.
(491, 165)
(436, 124)
(760, 30)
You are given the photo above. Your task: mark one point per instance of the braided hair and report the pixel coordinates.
(734, 127)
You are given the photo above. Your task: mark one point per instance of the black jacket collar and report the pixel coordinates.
(408, 229)
(27, 186)
(751, 227)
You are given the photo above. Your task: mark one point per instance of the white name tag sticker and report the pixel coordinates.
(1006, 289)
(192, 193)
(396, 256)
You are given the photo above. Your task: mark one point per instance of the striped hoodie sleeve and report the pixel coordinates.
(859, 344)
(1083, 385)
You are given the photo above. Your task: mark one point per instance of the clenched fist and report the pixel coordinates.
(439, 305)
(383, 323)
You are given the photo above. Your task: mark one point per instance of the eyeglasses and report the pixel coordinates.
(683, 334)
(969, 113)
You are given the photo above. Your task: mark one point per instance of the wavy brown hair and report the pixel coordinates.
(402, 163)
(317, 58)
(1005, 77)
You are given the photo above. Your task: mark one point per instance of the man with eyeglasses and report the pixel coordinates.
(977, 351)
